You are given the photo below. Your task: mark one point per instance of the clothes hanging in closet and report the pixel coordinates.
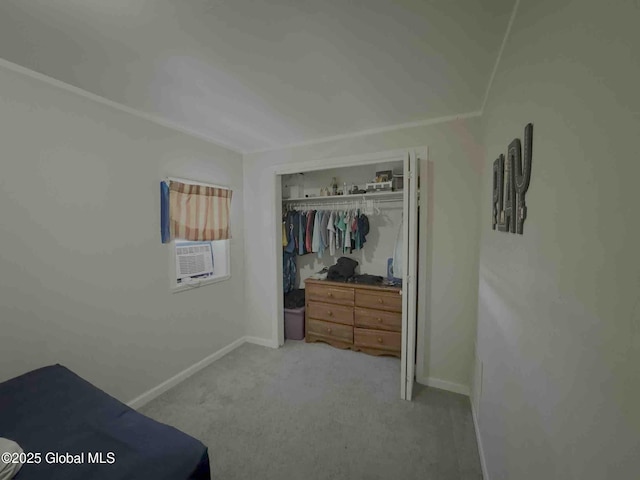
(289, 240)
(313, 231)
(289, 270)
(309, 236)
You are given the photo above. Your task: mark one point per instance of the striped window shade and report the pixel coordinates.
(194, 212)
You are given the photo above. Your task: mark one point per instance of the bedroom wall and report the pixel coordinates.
(559, 317)
(84, 279)
(451, 254)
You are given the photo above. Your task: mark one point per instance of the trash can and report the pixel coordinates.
(294, 323)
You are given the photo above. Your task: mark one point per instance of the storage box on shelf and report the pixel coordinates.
(380, 186)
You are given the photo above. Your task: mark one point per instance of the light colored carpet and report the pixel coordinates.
(310, 411)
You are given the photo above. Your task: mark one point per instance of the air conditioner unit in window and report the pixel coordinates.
(194, 260)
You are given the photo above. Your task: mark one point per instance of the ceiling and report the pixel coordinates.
(261, 74)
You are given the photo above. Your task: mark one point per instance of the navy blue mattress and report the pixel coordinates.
(54, 410)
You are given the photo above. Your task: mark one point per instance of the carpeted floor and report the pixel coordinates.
(310, 411)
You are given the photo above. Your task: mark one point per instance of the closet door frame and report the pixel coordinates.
(399, 155)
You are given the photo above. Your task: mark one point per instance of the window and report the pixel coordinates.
(195, 221)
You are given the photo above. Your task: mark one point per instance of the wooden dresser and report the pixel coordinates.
(361, 317)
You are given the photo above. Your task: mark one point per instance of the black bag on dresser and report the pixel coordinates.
(343, 270)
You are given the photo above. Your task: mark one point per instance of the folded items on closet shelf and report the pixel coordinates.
(343, 270)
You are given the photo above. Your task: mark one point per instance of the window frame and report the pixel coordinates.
(176, 287)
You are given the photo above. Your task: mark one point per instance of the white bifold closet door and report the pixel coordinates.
(409, 271)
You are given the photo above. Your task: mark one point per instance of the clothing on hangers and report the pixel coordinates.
(331, 233)
(340, 226)
(355, 240)
(347, 233)
(314, 231)
(324, 228)
(321, 239)
(336, 224)
(302, 226)
(315, 239)
(310, 219)
(295, 219)
(285, 240)
(363, 228)
(288, 271)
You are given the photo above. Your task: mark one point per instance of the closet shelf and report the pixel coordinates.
(338, 198)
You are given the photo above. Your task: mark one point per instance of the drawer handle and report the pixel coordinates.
(330, 313)
(380, 300)
(329, 294)
(379, 320)
(328, 330)
(379, 339)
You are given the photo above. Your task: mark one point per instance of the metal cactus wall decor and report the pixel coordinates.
(510, 184)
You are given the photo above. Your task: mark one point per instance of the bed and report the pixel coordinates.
(53, 411)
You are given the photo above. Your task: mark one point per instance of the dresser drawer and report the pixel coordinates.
(330, 312)
(363, 337)
(330, 331)
(390, 301)
(330, 294)
(378, 319)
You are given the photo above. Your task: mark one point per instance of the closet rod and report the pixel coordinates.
(351, 196)
(344, 202)
(376, 205)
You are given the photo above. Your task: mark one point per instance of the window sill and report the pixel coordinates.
(198, 284)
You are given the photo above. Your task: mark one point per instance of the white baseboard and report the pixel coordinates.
(444, 385)
(156, 391)
(483, 463)
(265, 342)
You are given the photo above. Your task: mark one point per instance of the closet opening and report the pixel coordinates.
(347, 249)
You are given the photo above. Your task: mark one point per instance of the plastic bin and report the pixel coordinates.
(294, 323)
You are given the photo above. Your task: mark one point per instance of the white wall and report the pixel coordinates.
(451, 254)
(559, 317)
(83, 275)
